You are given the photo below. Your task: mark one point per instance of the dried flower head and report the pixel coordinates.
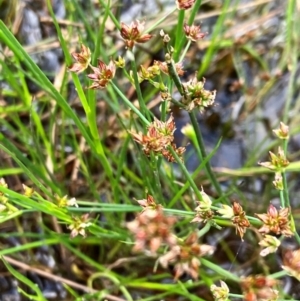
(151, 229)
(186, 256)
(270, 244)
(282, 132)
(276, 222)
(83, 59)
(184, 4)
(259, 288)
(278, 162)
(197, 96)
(193, 32)
(291, 263)
(159, 137)
(133, 34)
(79, 224)
(220, 293)
(239, 219)
(102, 74)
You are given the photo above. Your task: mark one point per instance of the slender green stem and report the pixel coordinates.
(143, 107)
(111, 14)
(179, 34)
(194, 12)
(172, 72)
(185, 50)
(204, 230)
(219, 270)
(202, 154)
(153, 26)
(130, 105)
(187, 174)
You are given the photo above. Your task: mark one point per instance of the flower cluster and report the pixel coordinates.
(193, 32)
(63, 202)
(275, 221)
(237, 216)
(185, 256)
(149, 73)
(196, 96)
(282, 132)
(270, 244)
(220, 293)
(185, 4)
(291, 263)
(79, 224)
(152, 228)
(133, 33)
(259, 288)
(203, 210)
(82, 58)
(102, 74)
(159, 138)
(278, 162)
(239, 219)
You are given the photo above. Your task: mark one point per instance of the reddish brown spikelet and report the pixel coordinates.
(151, 229)
(275, 221)
(133, 33)
(159, 138)
(193, 32)
(102, 74)
(291, 263)
(258, 288)
(186, 256)
(82, 58)
(239, 219)
(184, 4)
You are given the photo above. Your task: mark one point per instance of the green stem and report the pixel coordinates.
(130, 105)
(185, 51)
(202, 153)
(194, 12)
(111, 14)
(173, 74)
(143, 107)
(204, 230)
(179, 34)
(187, 174)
